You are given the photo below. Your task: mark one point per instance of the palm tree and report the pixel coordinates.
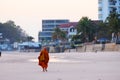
(30, 38)
(58, 34)
(86, 27)
(103, 30)
(113, 22)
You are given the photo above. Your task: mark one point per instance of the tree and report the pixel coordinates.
(58, 34)
(103, 30)
(12, 32)
(77, 38)
(63, 35)
(30, 38)
(87, 28)
(113, 21)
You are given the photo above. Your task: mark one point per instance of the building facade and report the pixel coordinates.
(105, 7)
(70, 29)
(48, 27)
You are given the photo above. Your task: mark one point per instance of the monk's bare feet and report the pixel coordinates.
(43, 69)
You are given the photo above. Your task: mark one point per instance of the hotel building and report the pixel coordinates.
(105, 7)
(48, 27)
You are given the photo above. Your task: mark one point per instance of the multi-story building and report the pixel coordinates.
(48, 27)
(105, 7)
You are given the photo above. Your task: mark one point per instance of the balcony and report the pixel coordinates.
(112, 2)
(112, 9)
(99, 1)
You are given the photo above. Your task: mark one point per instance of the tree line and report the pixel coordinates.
(12, 32)
(90, 30)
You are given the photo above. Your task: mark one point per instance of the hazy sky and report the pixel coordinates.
(29, 13)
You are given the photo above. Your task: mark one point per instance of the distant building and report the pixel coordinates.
(48, 27)
(4, 43)
(29, 46)
(70, 29)
(105, 7)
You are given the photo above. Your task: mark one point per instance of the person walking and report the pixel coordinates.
(43, 59)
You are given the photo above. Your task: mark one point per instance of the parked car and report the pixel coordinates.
(103, 40)
(118, 42)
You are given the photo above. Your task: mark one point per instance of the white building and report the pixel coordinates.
(105, 7)
(70, 29)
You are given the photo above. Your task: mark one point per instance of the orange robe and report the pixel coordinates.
(44, 63)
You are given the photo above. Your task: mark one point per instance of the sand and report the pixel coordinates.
(62, 66)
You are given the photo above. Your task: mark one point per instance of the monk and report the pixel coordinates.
(43, 59)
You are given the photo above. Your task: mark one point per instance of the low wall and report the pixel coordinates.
(97, 47)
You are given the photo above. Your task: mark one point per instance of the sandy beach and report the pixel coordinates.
(62, 66)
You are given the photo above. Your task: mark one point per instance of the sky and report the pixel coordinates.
(28, 14)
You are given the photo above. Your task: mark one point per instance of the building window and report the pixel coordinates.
(100, 16)
(112, 2)
(48, 21)
(48, 26)
(72, 30)
(62, 21)
(100, 1)
(48, 30)
(100, 9)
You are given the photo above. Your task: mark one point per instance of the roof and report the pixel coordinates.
(97, 21)
(74, 24)
(35, 44)
(67, 25)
